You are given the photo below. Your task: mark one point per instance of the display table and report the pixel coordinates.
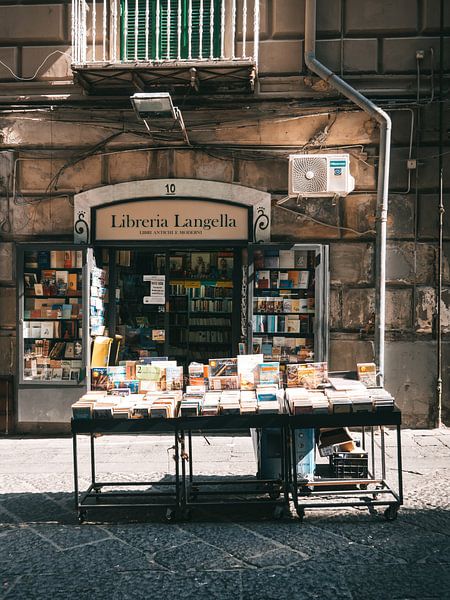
(369, 491)
(186, 492)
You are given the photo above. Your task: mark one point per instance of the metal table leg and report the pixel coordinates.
(75, 469)
(92, 452)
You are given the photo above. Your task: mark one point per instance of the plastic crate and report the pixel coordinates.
(349, 465)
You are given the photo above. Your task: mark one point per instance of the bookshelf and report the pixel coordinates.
(51, 312)
(194, 320)
(288, 309)
(201, 304)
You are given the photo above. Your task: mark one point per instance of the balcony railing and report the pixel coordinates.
(164, 32)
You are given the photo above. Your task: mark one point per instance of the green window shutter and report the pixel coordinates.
(206, 37)
(128, 24)
(164, 51)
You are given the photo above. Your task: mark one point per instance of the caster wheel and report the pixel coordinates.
(301, 514)
(81, 516)
(170, 516)
(390, 514)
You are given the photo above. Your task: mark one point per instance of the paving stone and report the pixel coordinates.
(300, 581)
(197, 556)
(245, 554)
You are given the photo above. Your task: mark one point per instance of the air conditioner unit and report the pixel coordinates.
(320, 175)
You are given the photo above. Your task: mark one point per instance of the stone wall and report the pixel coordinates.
(346, 225)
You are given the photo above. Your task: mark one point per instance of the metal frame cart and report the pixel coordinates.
(368, 491)
(185, 492)
(94, 499)
(239, 491)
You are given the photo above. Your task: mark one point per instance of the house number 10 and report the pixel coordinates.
(170, 188)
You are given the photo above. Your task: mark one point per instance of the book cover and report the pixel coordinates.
(367, 374)
(267, 350)
(271, 262)
(47, 329)
(224, 383)
(174, 378)
(301, 259)
(220, 367)
(258, 259)
(287, 260)
(262, 279)
(68, 259)
(292, 324)
(283, 280)
(294, 277)
(100, 351)
(257, 343)
(247, 366)
(269, 373)
(73, 282)
(57, 259)
(69, 350)
(43, 259)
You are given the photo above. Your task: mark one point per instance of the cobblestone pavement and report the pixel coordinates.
(348, 554)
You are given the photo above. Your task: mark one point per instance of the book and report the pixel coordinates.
(283, 281)
(38, 289)
(367, 374)
(68, 259)
(247, 367)
(287, 259)
(43, 259)
(174, 378)
(72, 282)
(230, 382)
(301, 259)
(269, 373)
(69, 351)
(262, 279)
(100, 351)
(220, 367)
(258, 259)
(47, 329)
(57, 259)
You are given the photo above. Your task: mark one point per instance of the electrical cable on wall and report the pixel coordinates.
(19, 78)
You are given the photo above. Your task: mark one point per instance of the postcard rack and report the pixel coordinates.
(178, 496)
(356, 486)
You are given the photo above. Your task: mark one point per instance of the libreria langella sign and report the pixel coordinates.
(171, 219)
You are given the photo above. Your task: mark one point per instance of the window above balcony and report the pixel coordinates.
(125, 45)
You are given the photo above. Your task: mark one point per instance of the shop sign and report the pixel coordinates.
(171, 219)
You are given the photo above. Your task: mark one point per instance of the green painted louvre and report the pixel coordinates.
(132, 47)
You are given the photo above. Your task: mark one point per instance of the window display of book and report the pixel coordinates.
(52, 315)
(284, 304)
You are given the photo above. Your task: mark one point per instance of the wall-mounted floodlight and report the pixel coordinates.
(158, 105)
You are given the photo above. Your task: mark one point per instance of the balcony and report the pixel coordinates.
(121, 46)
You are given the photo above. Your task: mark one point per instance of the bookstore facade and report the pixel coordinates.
(179, 269)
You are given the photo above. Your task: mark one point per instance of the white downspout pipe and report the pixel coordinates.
(384, 122)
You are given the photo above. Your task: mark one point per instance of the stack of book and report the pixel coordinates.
(249, 403)
(381, 399)
(211, 402)
(230, 402)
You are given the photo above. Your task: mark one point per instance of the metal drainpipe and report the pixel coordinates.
(384, 122)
